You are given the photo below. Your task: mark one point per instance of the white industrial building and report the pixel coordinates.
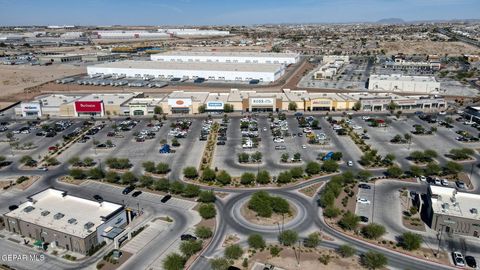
(401, 83)
(228, 57)
(130, 34)
(194, 32)
(186, 70)
(331, 65)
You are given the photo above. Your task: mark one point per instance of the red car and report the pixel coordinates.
(52, 148)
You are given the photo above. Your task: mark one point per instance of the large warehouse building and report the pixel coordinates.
(186, 70)
(400, 83)
(453, 212)
(228, 57)
(52, 216)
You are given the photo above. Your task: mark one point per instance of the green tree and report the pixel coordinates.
(394, 172)
(313, 168)
(228, 108)
(330, 166)
(208, 175)
(146, 181)
(219, 263)
(203, 232)
(284, 177)
(128, 178)
(331, 212)
(174, 261)
(202, 108)
(373, 260)
(96, 173)
(279, 205)
(207, 210)
(312, 241)
(206, 196)
(112, 177)
(75, 161)
(247, 178)
(364, 175)
(162, 168)
(373, 231)
(224, 178)
(432, 169)
(149, 166)
(190, 172)
(296, 172)
(256, 157)
(256, 241)
(157, 110)
(292, 106)
(263, 177)
(349, 221)
(177, 187)
(77, 174)
(233, 252)
(189, 248)
(162, 185)
(284, 157)
(191, 191)
(243, 157)
(346, 251)
(88, 162)
(411, 241)
(288, 237)
(416, 171)
(453, 167)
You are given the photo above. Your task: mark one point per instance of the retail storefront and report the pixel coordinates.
(214, 106)
(89, 108)
(320, 105)
(180, 105)
(31, 109)
(138, 109)
(262, 105)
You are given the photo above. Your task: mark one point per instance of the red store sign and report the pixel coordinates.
(88, 106)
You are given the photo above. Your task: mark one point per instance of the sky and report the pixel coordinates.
(224, 12)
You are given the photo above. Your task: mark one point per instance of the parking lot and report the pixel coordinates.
(365, 200)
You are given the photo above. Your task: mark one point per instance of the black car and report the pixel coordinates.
(41, 133)
(136, 193)
(12, 207)
(187, 237)
(363, 219)
(364, 186)
(199, 80)
(98, 198)
(233, 268)
(128, 190)
(166, 198)
(221, 143)
(51, 134)
(471, 262)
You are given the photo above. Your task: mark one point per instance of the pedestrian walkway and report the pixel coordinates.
(152, 230)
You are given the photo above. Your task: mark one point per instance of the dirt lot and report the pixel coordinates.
(427, 47)
(14, 79)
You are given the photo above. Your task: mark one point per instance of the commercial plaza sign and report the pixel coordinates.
(30, 107)
(215, 105)
(261, 101)
(179, 102)
(88, 106)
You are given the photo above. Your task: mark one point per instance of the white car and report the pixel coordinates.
(442, 113)
(278, 140)
(445, 182)
(363, 201)
(437, 182)
(458, 258)
(264, 129)
(357, 127)
(365, 117)
(423, 178)
(468, 123)
(304, 146)
(350, 163)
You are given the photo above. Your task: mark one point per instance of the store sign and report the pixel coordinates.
(215, 105)
(30, 107)
(262, 101)
(321, 102)
(88, 106)
(179, 102)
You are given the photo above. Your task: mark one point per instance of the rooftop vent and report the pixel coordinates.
(88, 225)
(446, 206)
(45, 213)
(28, 209)
(474, 211)
(72, 221)
(58, 216)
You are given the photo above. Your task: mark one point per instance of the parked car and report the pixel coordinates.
(364, 186)
(363, 219)
(136, 193)
(471, 262)
(363, 201)
(128, 190)
(98, 198)
(460, 184)
(166, 198)
(458, 258)
(187, 237)
(350, 163)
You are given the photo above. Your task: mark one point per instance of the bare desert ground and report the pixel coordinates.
(14, 79)
(428, 47)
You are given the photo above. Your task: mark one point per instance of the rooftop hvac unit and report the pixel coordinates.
(72, 221)
(88, 225)
(28, 209)
(446, 206)
(474, 211)
(58, 216)
(45, 213)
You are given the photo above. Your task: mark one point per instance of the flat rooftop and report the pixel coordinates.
(110, 98)
(229, 54)
(448, 201)
(194, 96)
(56, 100)
(398, 77)
(56, 210)
(204, 66)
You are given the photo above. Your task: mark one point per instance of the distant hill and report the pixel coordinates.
(391, 21)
